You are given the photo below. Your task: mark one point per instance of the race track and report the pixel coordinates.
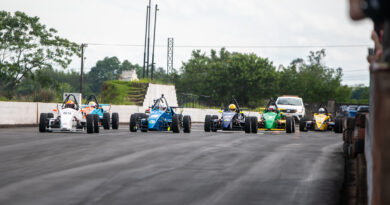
(119, 167)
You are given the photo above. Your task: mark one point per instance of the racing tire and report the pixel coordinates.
(207, 123)
(214, 117)
(50, 115)
(133, 122)
(302, 126)
(96, 126)
(175, 124)
(338, 125)
(106, 121)
(289, 124)
(187, 124)
(293, 126)
(42, 122)
(247, 126)
(90, 123)
(115, 120)
(254, 125)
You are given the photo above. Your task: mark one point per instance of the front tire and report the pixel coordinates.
(289, 125)
(42, 122)
(115, 120)
(187, 124)
(254, 125)
(207, 123)
(96, 126)
(106, 121)
(89, 123)
(175, 124)
(247, 126)
(133, 122)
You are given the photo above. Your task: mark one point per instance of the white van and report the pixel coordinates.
(293, 105)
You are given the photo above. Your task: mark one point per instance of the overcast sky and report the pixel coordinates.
(197, 23)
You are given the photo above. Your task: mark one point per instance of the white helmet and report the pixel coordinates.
(321, 110)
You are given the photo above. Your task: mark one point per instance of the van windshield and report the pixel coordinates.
(289, 101)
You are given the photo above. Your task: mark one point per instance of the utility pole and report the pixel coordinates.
(154, 40)
(170, 55)
(147, 59)
(146, 33)
(83, 45)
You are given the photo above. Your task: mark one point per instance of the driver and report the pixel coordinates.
(321, 111)
(271, 108)
(69, 104)
(232, 107)
(92, 104)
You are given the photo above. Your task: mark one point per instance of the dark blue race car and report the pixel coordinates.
(162, 117)
(231, 119)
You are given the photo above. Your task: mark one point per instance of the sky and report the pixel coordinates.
(271, 29)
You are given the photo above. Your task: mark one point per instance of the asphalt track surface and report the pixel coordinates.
(119, 167)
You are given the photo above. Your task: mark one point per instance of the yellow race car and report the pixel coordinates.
(322, 121)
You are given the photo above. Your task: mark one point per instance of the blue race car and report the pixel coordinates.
(162, 118)
(94, 108)
(232, 119)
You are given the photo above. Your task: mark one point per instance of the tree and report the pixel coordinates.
(27, 45)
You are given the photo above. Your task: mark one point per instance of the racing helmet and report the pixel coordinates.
(321, 111)
(92, 104)
(69, 104)
(232, 107)
(271, 108)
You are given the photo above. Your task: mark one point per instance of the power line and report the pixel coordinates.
(242, 46)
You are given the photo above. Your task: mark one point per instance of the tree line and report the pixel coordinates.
(34, 59)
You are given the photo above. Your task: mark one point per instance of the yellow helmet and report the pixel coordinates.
(92, 104)
(232, 107)
(69, 102)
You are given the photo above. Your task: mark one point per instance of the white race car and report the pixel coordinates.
(70, 118)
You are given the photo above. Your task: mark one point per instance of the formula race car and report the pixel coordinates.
(94, 108)
(322, 121)
(273, 119)
(162, 118)
(232, 119)
(70, 118)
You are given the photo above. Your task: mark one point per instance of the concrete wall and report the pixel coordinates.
(155, 91)
(27, 113)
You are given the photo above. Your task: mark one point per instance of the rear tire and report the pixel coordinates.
(42, 122)
(175, 124)
(115, 120)
(254, 125)
(187, 124)
(338, 127)
(207, 123)
(247, 126)
(289, 124)
(50, 115)
(106, 121)
(133, 122)
(89, 123)
(96, 126)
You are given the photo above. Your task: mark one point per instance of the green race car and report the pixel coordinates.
(273, 119)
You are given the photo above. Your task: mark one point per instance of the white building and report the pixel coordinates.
(128, 75)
